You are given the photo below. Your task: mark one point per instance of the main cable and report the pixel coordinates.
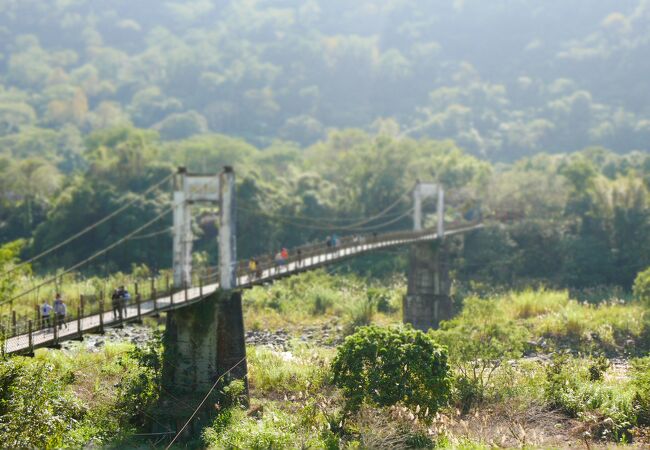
(288, 220)
(363, 221)
(87, 229)
(150, 235)
(92, 257)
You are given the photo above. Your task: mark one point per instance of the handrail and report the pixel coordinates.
(159, 287)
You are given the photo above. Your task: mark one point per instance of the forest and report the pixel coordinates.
(534, 116)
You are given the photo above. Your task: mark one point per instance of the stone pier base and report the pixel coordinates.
(202, 342)
(427, 300)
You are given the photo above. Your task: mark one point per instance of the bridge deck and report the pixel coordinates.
(73, 329)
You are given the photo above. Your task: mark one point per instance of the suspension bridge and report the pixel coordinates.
(204, 335)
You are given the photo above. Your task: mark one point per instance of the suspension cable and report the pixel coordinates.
(287, 220)
(92, 257)
(88, 228)
(150, 235)
(320, 220)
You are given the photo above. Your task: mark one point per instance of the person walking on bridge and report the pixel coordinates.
(60, 310)
(116, 302)
(252, 268)
(46, 310)
(125, 297)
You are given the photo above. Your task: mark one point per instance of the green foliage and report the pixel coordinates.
(277, 429)
(60, 400)
(36, 410)
(316, 296)
(138, 391)
(387, 366)
(571, 387)
(299, 372)
(641, 383)
(642, 286)
(8, 260)
(480, 340)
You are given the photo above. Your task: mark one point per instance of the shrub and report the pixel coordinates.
(360, 314)
(381, 297)
(36, 411)
(641, 287)
(394, 365)
(138, 390)
(607, 409)
(641, 382)
(479, 340)
(275, 429)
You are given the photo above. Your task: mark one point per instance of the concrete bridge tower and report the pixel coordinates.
(427, 299)
(204, 340)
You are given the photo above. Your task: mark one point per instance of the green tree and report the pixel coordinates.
(387, 366)
(642, 286)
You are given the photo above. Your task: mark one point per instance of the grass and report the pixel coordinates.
(301, 371)
(526, 402)
(317, 297)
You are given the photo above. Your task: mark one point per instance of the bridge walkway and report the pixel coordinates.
(311, 257)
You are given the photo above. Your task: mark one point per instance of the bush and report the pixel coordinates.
(36, 410)
(138, 390)
(275, 429)
(570, 387)
(359, 314)
(641, 287)
(641, 382)
(479, 340)
(387, 366)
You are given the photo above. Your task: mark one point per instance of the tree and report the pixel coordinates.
(387, 366)
(642, 286)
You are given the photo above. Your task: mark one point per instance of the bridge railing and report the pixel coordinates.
(150, 289)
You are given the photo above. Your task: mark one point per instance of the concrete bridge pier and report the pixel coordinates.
(202, 342)
(427, 299)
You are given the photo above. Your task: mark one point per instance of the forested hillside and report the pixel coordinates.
(99, 100)
(504, 78)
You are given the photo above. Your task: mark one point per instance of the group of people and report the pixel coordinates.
(120, 300)
(282, 256)
(58, 311)
(332, 241)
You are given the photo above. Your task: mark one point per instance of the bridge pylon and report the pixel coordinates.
(427, 299)
(205, 340)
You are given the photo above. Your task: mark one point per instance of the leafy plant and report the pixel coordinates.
(641, 287)
(386, 366)
(641, 382)
(479, 340)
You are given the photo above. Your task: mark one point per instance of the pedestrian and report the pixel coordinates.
(115, 301)
(46, 310)
(60, 310)
(278, 258)
(285, 253)
(298, 258)
(125, 297)
(328, 242)
(252, 268)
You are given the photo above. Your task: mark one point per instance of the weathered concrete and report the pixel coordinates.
(202, 341)
(427, 299)
(231, 341)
